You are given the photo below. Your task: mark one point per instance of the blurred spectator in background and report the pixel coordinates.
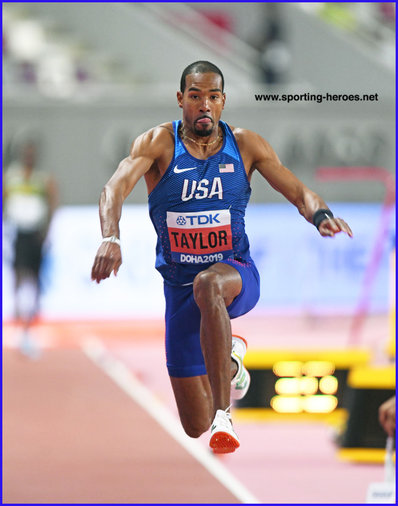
(29, 201)
(387, 416)
(275, 54)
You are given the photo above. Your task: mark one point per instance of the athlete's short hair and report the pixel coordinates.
(200, 67)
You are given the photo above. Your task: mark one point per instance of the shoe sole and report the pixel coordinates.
(222, 442)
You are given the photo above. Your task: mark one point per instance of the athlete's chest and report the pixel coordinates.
(198, 180)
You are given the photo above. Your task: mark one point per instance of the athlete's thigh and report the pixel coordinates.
(194, 402)
(230, 279)
(250, 287)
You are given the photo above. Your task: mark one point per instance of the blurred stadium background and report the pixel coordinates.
(84, 79)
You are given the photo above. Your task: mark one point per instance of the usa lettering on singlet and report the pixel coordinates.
(198, 210)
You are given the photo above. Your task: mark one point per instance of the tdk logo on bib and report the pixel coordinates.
(200, 219)
(203, 237)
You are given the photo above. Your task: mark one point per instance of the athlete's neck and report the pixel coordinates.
(190, 137)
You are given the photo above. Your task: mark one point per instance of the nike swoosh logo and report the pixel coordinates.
(177, 170)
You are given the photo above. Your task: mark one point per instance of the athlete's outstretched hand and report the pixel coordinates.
(107, 259)
(332, 226)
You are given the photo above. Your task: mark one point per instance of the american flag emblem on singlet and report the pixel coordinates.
(226, 167)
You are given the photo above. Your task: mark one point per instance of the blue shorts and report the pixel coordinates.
(183, 351)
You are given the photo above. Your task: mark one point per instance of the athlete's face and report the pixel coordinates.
(29, 155)
(202, 102)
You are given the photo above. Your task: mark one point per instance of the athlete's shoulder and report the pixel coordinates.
(154, 140)
(246, 138)
(164, 129)
(159, 133)
(253, 147)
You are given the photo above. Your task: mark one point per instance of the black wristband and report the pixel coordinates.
(320, 216)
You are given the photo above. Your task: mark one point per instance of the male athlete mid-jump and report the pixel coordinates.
(198, 173)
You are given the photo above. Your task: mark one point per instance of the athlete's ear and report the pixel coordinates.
(179, 98)
(224, 98)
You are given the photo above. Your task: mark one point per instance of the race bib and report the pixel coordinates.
(201, 237)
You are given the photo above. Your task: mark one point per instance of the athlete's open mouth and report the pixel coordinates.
(204, 120)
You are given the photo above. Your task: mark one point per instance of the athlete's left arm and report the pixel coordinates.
(265, 160)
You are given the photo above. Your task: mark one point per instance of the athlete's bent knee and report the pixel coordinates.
(206, 287)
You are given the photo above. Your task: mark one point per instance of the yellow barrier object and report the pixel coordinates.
(380, 377)
(265, 359)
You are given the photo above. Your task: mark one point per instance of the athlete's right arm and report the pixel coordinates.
(143, 153)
